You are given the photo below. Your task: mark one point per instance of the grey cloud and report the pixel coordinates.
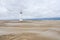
(31, 8)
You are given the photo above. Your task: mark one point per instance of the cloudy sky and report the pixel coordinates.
(10, 9)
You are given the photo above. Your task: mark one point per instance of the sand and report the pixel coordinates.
(25, 36)
(30, 30)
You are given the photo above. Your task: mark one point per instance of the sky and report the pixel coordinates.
(10, 9)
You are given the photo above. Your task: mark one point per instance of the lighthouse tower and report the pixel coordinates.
(20, 16)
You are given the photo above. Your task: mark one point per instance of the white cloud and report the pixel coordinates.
(31, 8)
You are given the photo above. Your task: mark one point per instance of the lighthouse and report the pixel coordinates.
(20, 16)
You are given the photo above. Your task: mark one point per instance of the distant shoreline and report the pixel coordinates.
(35, 19)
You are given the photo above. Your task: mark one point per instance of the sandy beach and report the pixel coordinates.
(30, 30)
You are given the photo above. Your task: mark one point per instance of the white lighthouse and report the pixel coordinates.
(20, 16)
